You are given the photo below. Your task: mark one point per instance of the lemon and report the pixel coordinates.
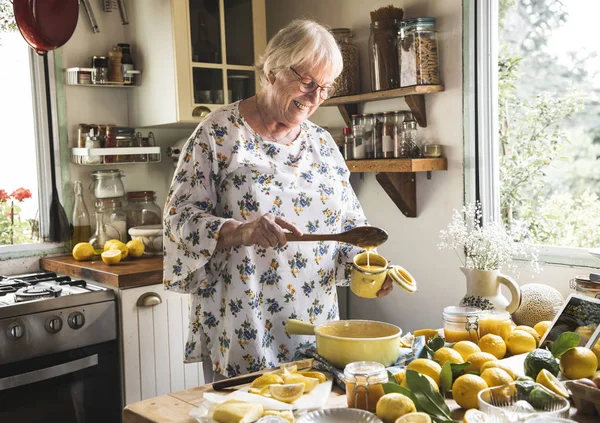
(316, 375)
(118, 245)
(465, 390)
(596, 351)
(434, 385)
(493, 344)
(551, 382)
(310, 383)
(285, 414)
(111, 256)
(426, 367)
(400, 376)
(498, 364)
(519, 342)
(110, 242)
(266, 379)
(496, 377)
(302, 365)
(394, 405)
(285, 369)
(135, 247)
(466, 348)
(542, 327)
(477, 360)
(83, 251)
(532, 332)
(427, 333)
(578, 363)
(418, 417)
(445, 354)
(287, 393)
(475, 416)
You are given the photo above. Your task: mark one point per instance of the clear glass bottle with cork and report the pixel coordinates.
(82, 231)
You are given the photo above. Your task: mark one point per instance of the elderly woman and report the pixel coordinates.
(252, 171)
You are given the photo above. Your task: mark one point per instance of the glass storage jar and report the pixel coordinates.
(347, 82)
(368, 138)
(142, 209)
(383, 48)
(418, 52)
(495, 322)
(114, 218)
(409, 143)
(389, 141)
(108, 183)
(125, 139)
(461, 324)
(358, 130)
(364, 381)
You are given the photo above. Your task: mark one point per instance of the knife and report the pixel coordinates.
(236, 381)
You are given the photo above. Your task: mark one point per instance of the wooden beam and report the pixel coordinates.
(397, 165)
(402, 189)
(417, 107)
(383, 95)
(347, 110)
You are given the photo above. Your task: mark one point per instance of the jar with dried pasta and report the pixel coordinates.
(347, 82)
(418, 52)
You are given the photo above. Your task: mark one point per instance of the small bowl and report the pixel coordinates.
(432, 150)
(151, 236)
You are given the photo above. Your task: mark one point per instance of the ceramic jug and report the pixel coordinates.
(483, 290)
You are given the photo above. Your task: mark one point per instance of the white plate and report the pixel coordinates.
(339, 415)
(595, 252)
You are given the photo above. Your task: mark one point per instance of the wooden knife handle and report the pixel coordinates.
(234, 381)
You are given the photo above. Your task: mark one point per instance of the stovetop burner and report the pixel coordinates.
(36, 293)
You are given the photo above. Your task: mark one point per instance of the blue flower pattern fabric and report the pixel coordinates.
(242, 296)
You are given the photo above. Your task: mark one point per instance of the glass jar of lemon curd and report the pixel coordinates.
(461, 324)
(495, 322)
(364, 384)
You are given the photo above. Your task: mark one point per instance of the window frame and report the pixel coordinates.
(41, 121)
(482, 170)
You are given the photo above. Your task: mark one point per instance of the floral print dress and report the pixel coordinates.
(242, 296)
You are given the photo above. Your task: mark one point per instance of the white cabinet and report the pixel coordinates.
(154, 326)
(196, 54)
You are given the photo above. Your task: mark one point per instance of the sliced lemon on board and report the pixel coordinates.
(287, 393)
(111, 257)
(266, 379)
(551, 382)
(314, 374)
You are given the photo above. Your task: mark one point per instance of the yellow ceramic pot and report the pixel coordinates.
(369, 273)
(341, 342)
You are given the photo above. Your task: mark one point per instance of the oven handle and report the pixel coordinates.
(48, 373)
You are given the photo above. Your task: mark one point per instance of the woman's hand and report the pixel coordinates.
(266, 231)
(386, 288)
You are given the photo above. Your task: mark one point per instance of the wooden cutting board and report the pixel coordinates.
(130, 273)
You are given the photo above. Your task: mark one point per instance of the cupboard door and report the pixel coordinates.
(205, 31)
(153, 343)
(239, 32)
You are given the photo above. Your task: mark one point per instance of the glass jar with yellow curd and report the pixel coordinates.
(461, 324)
(495, 322)
(364, 384)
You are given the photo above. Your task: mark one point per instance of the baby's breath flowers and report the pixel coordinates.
(490, 246)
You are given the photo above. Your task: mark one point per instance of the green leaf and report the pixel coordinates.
(446, 378)
(391, 378)
(564, 343)
(431, 402)
(457, 369)
(436, 343)
(389, 388)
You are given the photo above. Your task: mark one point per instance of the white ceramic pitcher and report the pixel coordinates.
(483, 290)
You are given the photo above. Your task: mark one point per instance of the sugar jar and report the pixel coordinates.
(108, 183)
(364, 384)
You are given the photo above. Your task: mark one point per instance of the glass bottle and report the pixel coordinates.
(364, 384)
(126, 63)
(377, 135)
(114, 218)
(100, 236)
(347, 82)
(142, 209)
(409, 140)
(383, 48)
(82, 231)
(348, 144)
(357, 130)
(461, 324)
(368, 138)
(399, 121)
(388, 135)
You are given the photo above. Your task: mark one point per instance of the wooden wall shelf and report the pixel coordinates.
(398, 179)
(348, 105)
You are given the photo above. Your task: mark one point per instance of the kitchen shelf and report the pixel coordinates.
(143, 155)
(73, 77)
(398, 179)
(414, 96)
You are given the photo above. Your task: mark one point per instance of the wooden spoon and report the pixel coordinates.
(362, 236)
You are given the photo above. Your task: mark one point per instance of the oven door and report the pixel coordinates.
(77, 386)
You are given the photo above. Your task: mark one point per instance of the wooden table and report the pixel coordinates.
(175, 407)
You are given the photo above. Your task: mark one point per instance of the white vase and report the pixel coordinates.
(483, 290)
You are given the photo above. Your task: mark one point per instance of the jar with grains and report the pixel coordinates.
(377, 134)
(124, 139)
(383, 47)
(357, 130)
(142, 209)
(364, 384)
(418, 52)
(388, 135)
(348, 81)
(114, 218)
(368, 138)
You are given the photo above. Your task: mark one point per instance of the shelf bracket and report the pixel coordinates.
(402, 189)
(347, 110)
(416, 102)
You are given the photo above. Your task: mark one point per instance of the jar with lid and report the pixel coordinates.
(110, 141)
(400, 116)
(348, 81)
(461, 324)
(93, 141)
(388, 135)
(357, 130)
(142, 209)
(410, 146)
(108, 183)
(377, 134)
(126, 63)
(124, 139)
(383, 48)
(113, 217)
(586, 286)
(495, 322)
(368, 135)
(364, 384)
(348, 150)
(418, 52)
(99, 70)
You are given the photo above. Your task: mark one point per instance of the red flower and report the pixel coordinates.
(21, 194)
(3, 196)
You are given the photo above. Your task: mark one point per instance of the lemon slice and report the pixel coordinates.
(317, 375)
(475, 416)
(287, 393)
(414, 418)
(266, 379)
(550, 381)
(111, 256)
(310, 383)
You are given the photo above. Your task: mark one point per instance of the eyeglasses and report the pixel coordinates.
(308, 85)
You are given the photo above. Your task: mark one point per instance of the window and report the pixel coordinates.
(25, 181)
(537, 98)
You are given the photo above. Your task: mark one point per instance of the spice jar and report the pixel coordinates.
(418, 52)
(99, 70)
(115, 73)
(347, 82)
(126, 63)
(461, 323)
(364, 381)
(92, 141)
(124, 139)
(357, 130)
(585, 286)
(142, 209)
(368, 135)
(383, 48)
(108, 183)
(410, 146)
(495, 322)
(113, 217)
(388, 135)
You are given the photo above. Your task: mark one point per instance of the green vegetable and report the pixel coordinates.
(565, 342)
(427, 399)
(538, 397)
(540, 359)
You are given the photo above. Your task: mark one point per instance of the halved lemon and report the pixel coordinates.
(418, 417)
(310, 383)
(287, 393)
(475, 416)
(110, 242)
(551, 382)
(266, 379)
(285, 370)
(118, 245)
(111, 256)
(314, 374)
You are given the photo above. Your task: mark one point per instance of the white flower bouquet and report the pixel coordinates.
(490, 246)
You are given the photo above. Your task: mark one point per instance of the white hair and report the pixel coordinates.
(303, 43)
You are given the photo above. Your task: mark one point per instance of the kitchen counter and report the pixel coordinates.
(130, 273)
